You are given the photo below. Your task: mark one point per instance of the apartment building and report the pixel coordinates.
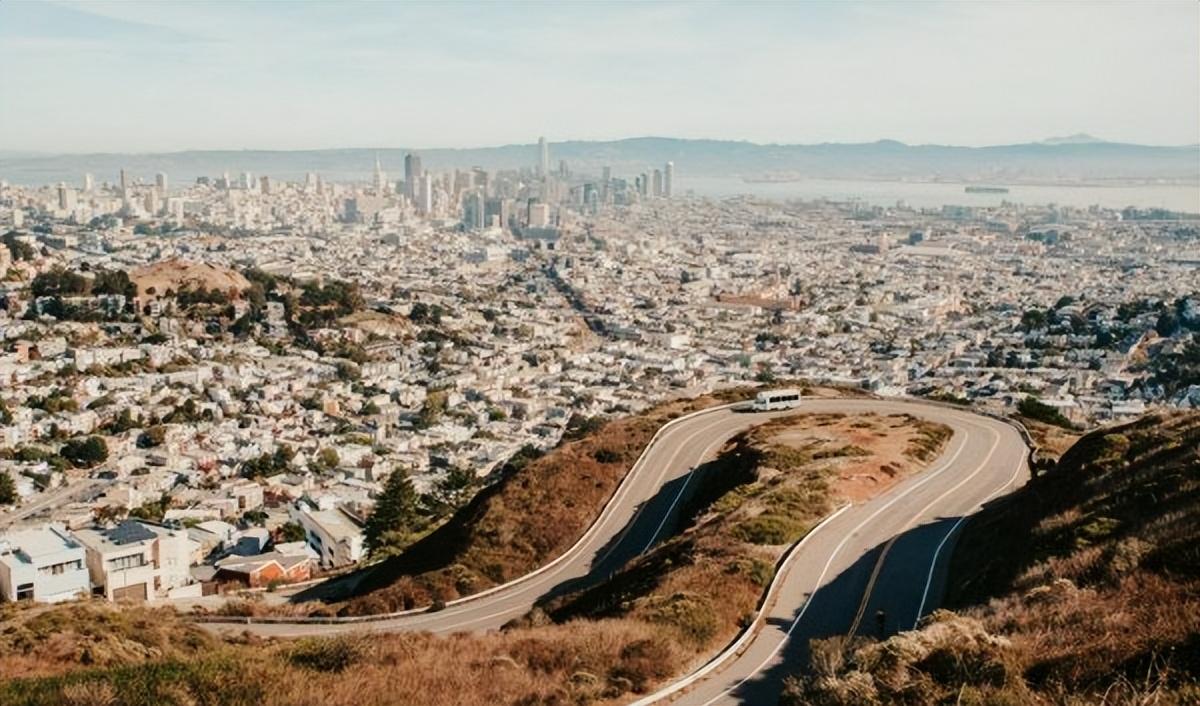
(136, 560)
(44, 564)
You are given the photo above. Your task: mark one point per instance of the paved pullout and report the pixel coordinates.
(826, 583)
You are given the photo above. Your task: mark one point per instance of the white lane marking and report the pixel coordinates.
(667, 515)
(520, 590)
(837, 550)
(615, 541)
(937, 552)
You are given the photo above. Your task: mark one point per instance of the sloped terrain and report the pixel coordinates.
(1081, 588)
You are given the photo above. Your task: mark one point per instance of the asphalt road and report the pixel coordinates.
(886, 554)
(52, 499)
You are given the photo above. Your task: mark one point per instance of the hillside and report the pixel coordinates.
(649, 623)
(883, 159)
(1081, 588)
(176, 275)
(510, 527)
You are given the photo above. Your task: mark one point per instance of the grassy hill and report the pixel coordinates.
(653, 620)
(1081, 588)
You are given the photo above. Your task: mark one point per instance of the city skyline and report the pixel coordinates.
(327, 76)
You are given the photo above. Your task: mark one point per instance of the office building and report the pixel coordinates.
(543, 158)
(412, 175)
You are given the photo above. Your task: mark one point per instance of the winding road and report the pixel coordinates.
(888, 554)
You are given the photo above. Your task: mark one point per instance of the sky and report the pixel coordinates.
(131, 76)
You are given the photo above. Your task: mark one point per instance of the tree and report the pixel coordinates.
(154, 436)
(327, 458)
(291, 532)
(1033, 319)
(432, 410)
(395, 517)
(8, 489)
(85, 453)
(451, 491)
(1035, 409)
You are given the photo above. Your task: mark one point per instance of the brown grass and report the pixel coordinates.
(1084, 588)
(518, 525)
(662, 614)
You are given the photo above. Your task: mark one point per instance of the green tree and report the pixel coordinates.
(1034, 408)
(291, 532)
(395, 518)
(450, 492)
(1033, 319)
(85, 453)
(8, 489)
(327, 458)
(432, 410)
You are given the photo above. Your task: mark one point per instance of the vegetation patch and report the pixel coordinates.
(1081, 588)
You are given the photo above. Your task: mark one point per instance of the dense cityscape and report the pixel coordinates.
(604, 353)
(240, 358)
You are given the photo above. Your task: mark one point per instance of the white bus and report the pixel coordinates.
(776, 399)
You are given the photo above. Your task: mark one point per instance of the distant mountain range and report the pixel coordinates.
(1078, 158)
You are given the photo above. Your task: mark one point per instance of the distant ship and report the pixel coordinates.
(771, 179)
(986, 190)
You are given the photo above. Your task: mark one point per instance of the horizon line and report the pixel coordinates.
(1048, 142)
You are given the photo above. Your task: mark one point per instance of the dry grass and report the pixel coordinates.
(661, 615)
(1084, 588)
(769, 486)
(579, 663)
(520, 523)
(43, 640)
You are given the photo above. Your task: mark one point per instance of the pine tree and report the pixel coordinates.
(8, 489)
(395, 517)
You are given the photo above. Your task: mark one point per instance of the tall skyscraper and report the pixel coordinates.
(66, 197)
(380, 179)
(88, 183)
(669, 180)
(425, 195)
(657, 183)
(160, 181)
(124, 191)
(473, 210)
(544, 158)
(412, 173)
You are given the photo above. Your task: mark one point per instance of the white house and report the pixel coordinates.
(44, 564)
(136, 560)
(336, 538)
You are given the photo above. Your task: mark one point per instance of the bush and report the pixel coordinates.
(606, 456)
(1039, 411)
(327, 654)
(85, 453)
(769, 529)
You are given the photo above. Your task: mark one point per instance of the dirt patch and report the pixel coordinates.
(867, 453)
(177, 275)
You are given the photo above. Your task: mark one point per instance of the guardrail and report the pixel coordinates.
(748, 633)
(609, 508)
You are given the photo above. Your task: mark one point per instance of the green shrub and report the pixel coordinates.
(327, 654)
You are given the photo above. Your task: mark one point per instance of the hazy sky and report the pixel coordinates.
(133, 76)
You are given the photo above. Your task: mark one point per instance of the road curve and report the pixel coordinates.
(895, 545)
(888, 554)
(637, 517)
